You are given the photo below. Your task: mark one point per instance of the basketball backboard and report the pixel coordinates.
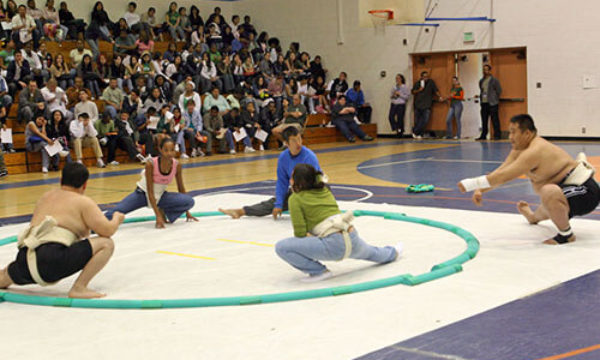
(404, 11)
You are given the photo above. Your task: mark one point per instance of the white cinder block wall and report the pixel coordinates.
(561, 40)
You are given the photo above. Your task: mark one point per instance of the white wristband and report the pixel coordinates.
(471, 184)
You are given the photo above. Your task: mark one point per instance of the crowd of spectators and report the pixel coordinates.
(218, 80)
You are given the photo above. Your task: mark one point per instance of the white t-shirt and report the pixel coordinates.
(131, 18)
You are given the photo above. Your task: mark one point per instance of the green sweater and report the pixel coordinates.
(103, 128)
(308, 208)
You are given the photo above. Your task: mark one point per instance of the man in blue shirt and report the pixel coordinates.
(294, 155)
(356, 98)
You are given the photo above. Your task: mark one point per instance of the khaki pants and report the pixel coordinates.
(87, 141)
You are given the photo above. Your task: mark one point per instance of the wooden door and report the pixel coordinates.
(441, 69)
(510, 67)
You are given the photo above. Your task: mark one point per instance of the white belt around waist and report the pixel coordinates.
(337, 223)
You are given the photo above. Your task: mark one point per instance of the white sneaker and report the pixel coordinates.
(232, 152)
(249, 149)
(314, 278)
(103, 141)
(79, 161)
(44, 170)
(176, 147)
(100, 163)
(261, 148)
(63, 153)
(399, 248)
(141, 158)
(200, 153)
(194, 153)
(113, 163)
(184, 156)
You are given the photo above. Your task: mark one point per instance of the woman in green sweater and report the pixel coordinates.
(321, 231)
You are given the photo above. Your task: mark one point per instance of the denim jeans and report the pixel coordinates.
(455, 111)
(173, 204)
(348, 127)
(421, 120)
(39, 147)
(304, 253)
(396, 117)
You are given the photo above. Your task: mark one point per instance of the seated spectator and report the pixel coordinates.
(249, 69)
(251, 120)
(294, 115)
(53, 29)
(194, 131)
(216, 14)
(213, 124)
(184, 23)
(173, 23)
(90, 75)
(77, 54)
(342, 116)
(31, 102)
(114, 137)
(132, 104)
(266, 67)
(198, 39)
(5, 99)
(144, 43)
(35, 64)
(261, 89)
(113, 98)
(234, 98)
(291, 66)
(190, 95)
(96, 31)
(85, 106)
(56, 98)
(238, 69)
(24, 28)
(248, 27)
(320, 96)
(84, 134)
(147, 70)
(140, 85)
(36, 139)
(58, 130)
(73, 93)
(338, 87)
(196, 20)
(235, 23)
(225, 70)
(149, 21)
(269, 118)
(303, 64)
(175, 70)
(356, 98)
(291, 89)
(125, 44)
(126, 127)
(214, 54)
(132, 18)
(209, 78)
(155, 100)
(35, 13)
(103, 68)
(227, 37)
(216, 99)
(233, 121)
(163, 86)
(61, 72)
(171, 52)
(132, 72)
(144, 135)
(118, 70)
(7, 55)
(119, 26)
(279, 67)
(316, 68)
(75, 26)
(307, 93)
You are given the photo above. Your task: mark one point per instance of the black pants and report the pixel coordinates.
(266, 207)
(396, 117)
(364, 114)
(488, 111)
(147, 140)
(122, 142)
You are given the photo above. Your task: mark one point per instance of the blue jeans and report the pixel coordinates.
(304, 253)
(421, 120)
(110, 110)
(173, 204)
(455, 111)
(347, 127)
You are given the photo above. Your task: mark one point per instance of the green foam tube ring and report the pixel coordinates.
(459, 260)
(435, 274)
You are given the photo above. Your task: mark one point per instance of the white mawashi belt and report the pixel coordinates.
(337, 223)
(581, 173)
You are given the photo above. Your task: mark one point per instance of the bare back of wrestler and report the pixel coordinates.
(549, 168)
(78, 214)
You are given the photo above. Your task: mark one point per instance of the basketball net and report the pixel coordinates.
(380, 19)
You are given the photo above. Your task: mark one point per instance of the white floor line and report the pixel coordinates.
(428, 353)
(393, 163)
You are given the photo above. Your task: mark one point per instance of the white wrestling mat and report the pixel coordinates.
(222, 257)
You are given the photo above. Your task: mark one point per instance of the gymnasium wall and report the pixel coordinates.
(560, 40)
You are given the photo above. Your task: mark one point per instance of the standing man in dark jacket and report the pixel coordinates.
(424, 91)
(490, 91)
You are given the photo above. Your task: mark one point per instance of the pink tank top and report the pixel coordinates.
(159, 178)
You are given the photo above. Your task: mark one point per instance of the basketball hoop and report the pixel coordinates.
(380, 18)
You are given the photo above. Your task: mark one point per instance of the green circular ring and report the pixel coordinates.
(446, 268)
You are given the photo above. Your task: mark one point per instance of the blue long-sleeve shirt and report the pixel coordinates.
(285, 167)
(354, 97)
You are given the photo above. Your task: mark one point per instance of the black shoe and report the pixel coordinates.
(352, 140)
(209, 153)
(480, 139)
(3, 173)
(367, 138)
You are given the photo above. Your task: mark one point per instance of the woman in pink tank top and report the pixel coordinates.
(151, 189)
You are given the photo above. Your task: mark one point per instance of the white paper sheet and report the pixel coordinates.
(6, 136)
(153, 122)
(239, 135)
(53, 149)
(261, 135)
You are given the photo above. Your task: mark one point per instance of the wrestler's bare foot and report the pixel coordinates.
(5, 280)
(525, 210)
(551, 241)
(84, 293)
(234, 213)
